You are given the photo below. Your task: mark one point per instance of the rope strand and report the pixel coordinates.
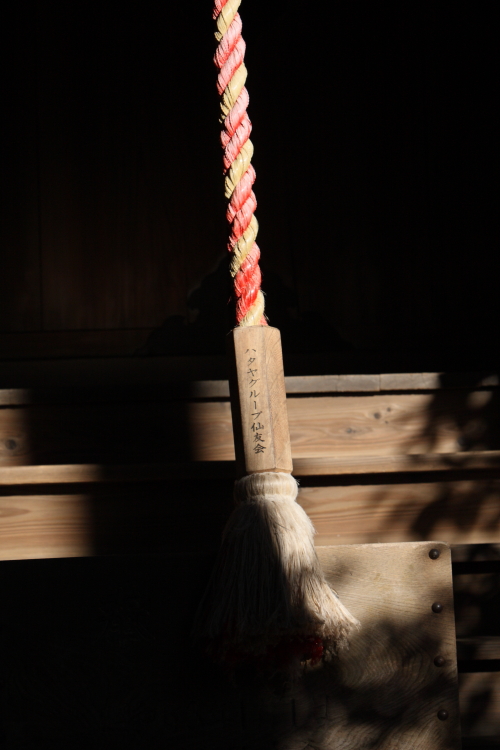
(239, 172)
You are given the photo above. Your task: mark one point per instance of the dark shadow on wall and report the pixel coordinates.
(210, 317)
(100, 656)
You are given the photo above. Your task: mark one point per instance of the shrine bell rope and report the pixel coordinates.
(267, 598)
(238, 170)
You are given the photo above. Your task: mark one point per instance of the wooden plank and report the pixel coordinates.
(480, 704)
(460, 512)
(46, 527)
(464, 511)
(104, 474)
(353, 465)
(339, 428)
(358, 383)
(379, 425)
(304, 467)
(412, 381)
(140, 433)
(144, 519)
(479, 647)
(424, 381)
(158, 369)
(391, 588)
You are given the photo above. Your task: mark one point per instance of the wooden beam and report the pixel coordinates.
(379, 425)
(105, 474)
(354, 465)
(44, 523)
(303, 467)
(178, 518)
(459, 512)
(134, 372)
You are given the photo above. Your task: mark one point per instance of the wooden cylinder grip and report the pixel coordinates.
(258, 400)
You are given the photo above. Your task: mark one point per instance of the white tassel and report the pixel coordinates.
(268, 584)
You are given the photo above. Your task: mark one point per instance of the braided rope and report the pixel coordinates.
(239, 172)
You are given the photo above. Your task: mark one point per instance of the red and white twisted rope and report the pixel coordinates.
(239, 172)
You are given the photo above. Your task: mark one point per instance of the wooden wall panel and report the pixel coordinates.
(20, 303)
(59, 344)
(110, 256)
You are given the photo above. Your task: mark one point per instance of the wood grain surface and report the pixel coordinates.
(387, 691)
(107, 236)
(333, 427)
(57, 520)
(374, 425)
(179, 516)
(304, 467)
(258, 400)
(463, 512)
(95, 348)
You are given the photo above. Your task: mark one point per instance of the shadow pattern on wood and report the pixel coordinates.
(99, 656)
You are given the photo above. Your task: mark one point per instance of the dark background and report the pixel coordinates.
(374, 151)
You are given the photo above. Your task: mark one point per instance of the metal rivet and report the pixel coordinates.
(442, 715)
(10, 444)
(439, 661)
(437, 607)
(434, 554)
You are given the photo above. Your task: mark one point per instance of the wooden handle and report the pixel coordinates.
(258, 400)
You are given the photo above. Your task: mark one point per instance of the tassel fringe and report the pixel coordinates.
(268, 585)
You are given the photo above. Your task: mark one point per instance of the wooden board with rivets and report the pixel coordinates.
(396, 687)
(100, 654)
